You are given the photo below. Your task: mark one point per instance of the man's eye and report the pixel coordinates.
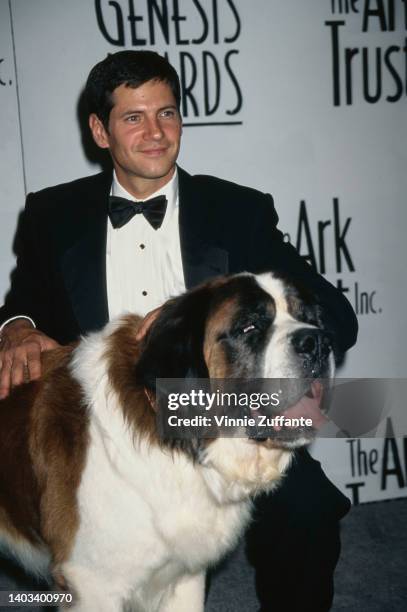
(168, 113)
(133, 118)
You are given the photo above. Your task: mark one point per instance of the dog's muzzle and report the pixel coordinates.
(313, 347)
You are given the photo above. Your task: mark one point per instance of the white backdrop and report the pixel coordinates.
(313, 96)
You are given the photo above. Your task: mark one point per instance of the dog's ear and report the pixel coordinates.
(173, 347)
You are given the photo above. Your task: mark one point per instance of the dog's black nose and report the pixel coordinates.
(312, 343)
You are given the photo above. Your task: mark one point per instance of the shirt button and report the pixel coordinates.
(142, 246)
(144, 292)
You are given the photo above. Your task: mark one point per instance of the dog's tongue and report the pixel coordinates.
(308, 407)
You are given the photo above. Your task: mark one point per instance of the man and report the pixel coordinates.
(83, 258)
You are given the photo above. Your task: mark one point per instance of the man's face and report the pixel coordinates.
(143, 135)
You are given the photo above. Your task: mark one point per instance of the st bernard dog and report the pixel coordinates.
(89, 492)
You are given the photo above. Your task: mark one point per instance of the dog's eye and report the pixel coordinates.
(248, 328)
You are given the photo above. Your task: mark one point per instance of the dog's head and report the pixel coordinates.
(246, 327)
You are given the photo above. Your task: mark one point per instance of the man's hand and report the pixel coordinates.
(20, 354)
(147, 323)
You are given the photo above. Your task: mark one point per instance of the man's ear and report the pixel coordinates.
(99, 133)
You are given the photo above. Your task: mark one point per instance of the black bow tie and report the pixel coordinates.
(122, 210)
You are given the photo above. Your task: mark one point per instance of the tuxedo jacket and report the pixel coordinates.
(60, 276)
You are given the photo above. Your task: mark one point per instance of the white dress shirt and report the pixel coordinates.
(144, 265)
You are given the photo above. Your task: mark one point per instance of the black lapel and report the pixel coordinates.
(201, 258)
(84, 263)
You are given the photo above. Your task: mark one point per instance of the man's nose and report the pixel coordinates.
(153, 129)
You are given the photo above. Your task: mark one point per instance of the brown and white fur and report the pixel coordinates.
(90, 494)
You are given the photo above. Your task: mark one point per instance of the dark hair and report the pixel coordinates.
(131, 68)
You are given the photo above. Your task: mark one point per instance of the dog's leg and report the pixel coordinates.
(188, 595)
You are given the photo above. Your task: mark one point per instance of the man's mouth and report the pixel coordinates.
(154, 152)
